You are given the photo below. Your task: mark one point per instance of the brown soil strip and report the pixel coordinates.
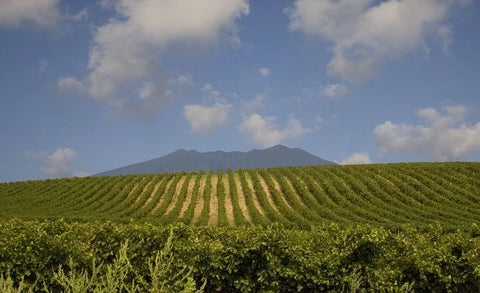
(254, 195)
(213, 202)
(162, 198)
(241, 198)
(228, 200)
(176, 195)
(267, 192)
(143, 191)
(294, 191)
(199, 203)
(277, 187)
(154, 191)
(131, 191)
(188, 198)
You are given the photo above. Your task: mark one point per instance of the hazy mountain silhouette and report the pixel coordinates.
(183, 160)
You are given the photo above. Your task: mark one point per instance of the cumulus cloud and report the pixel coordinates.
(57, 163)
(319, 91)
(184, 80)
(210, 93)
(357, 158)
(366, 32)
(151, 96)
(43, 13)
(443, 136)
(335, 90)
(265, 71)
(126, 51)
(264, 131)
(213, 113)
(69, 84)
(205, 119)
(254, 104)
(82, 15)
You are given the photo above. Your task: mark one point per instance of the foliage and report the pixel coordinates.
(163, 274)
(387, 195)
(388, 228)
(142, 257)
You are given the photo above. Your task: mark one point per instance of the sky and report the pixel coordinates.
(89, 86)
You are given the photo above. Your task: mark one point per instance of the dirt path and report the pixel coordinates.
(213, 202)
(228, 200)
(130, 193)
(188, 198)
(241, 198)
(143, 191)
(300, 200)
(277, 187)
(267, 192)
(162, 197)
(199, 204)
(154, 191)
(254, 195)
(176, 195)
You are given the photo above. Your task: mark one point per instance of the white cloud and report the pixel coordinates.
(265, 132)
(318, 123)
(107, 4)
(69, 84)
(443, 137)
(318, 91)
(357, 158)
(151, 96)
(445, 33)
(58, 163)
(43, 13)
(127, 50)
(205, 119)
(42, 66)
(211, 94)
(185, 80)
(335, 90)
(366, 32)
(254, 104)
(265, 71)
(82, 15)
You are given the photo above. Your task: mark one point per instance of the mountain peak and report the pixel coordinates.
(278, 147)
(184, 160)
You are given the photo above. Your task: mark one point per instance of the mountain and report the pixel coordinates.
(183, 160)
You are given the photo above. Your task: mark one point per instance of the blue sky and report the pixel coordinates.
(88, 86)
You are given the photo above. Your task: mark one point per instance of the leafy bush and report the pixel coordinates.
(61, 256)
(163, 275)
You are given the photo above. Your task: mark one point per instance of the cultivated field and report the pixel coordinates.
(388, 195)
(410, 227)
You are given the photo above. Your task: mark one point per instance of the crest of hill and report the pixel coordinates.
(183, 160)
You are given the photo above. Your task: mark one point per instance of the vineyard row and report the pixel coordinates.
(388, 195)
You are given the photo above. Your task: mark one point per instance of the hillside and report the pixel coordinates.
(183, 160)
(387, 195)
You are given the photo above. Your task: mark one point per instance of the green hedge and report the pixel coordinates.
(247, 259)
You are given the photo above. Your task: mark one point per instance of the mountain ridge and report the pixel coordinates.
(192, 160)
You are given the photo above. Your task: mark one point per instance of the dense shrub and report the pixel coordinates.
(243, 259)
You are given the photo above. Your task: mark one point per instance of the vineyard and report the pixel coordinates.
(388, 195)
(410, 227)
